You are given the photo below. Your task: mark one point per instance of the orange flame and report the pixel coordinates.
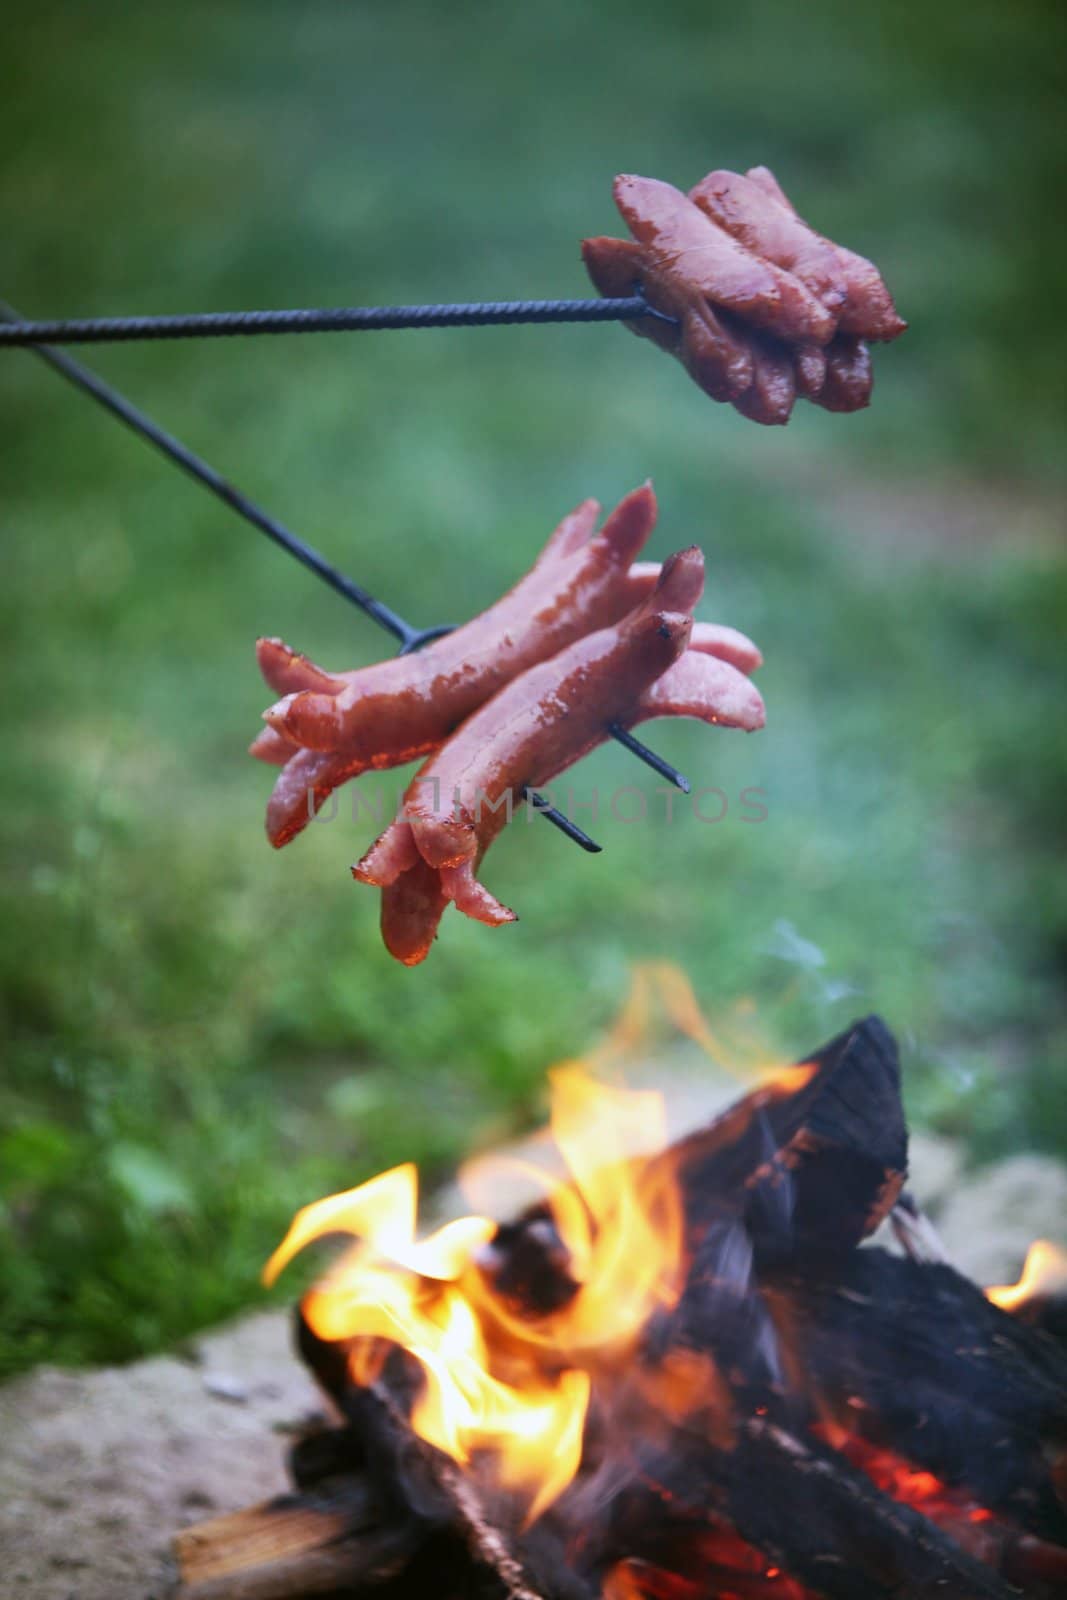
(517, 1388)
(391, 1286)
(427, 1295)
(1044, 1274)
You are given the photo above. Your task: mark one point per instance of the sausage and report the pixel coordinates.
(774, 232)
(774, 388)
(707, 638)
(545, 720)
(717, 360)
(532, 730)
(849, 375)
(686, 249)
(535, 728)
(401, 708)
(705, 686)
(754, 210)
(762, 307)
(309, 777)
(412, 908)
(416, 895)
(405, 707)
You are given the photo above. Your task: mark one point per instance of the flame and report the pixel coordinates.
(503, 1382)
(1044, 1275)
(623, 1234)
(737, 1046)
(508, 1366)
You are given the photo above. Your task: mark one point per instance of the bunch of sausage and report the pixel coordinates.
(589, 638)
(759, 308)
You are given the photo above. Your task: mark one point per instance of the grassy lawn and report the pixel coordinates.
(198, 1033)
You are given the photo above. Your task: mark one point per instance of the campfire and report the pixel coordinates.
(680, 1372)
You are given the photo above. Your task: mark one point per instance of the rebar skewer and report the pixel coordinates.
(409, 637)
(324, 319)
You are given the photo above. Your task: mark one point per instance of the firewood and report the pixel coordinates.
(806, 1171)
(815, 1168)
(292, 1546)
(415, 1480)
(808, 1351)
(913, 1357)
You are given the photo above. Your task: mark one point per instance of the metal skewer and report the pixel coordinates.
(624, 737)
(324, 319)
(410, 638)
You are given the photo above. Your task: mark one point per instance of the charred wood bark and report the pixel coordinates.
(419, 1485)
(808, 1171)
(915, 1358)
(832, 1529)
(817, 1168)
(794, 1329)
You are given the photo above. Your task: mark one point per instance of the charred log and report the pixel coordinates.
(816, 1168)
(807, 1369)
(806, 1171)
(420, 1487)
(915, 1358)
(806, 1509)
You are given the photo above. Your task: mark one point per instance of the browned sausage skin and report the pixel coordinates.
(309, 777)
(404, 687)
(332, 726)
(416, 895)
(534, 729)
(763, 307)
(400, 708)
(683, 245)
(709, 638)
(545, 720)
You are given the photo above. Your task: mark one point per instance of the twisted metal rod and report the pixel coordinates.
(325, 319)
(143, 425)
(410, 638)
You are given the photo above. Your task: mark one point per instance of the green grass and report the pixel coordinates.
(201, 1034)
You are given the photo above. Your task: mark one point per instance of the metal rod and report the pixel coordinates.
(410, 638)
(544, 808)
(197, 468)
(324, 319)
(624, 737)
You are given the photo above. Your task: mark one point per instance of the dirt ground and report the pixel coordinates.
(99, 1469)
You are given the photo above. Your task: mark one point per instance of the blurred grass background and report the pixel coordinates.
(200, 1034)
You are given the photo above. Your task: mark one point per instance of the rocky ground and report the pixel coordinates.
(98, 1469)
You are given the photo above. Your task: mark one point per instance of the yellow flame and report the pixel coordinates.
(1044, 1274)
(516, 1386)
(623, 1232)
(737, 1046)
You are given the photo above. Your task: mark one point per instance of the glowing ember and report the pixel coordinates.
(1044, 1276)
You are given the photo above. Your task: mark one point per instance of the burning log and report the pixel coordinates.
(809, 1164)
(675, 1378)
(917, 1360)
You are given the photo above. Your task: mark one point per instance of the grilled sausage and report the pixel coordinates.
(547, 719)
(400, 708)
(533, 730)
(416, 895)
(761, 308)
(686, 251)
(383, 715)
